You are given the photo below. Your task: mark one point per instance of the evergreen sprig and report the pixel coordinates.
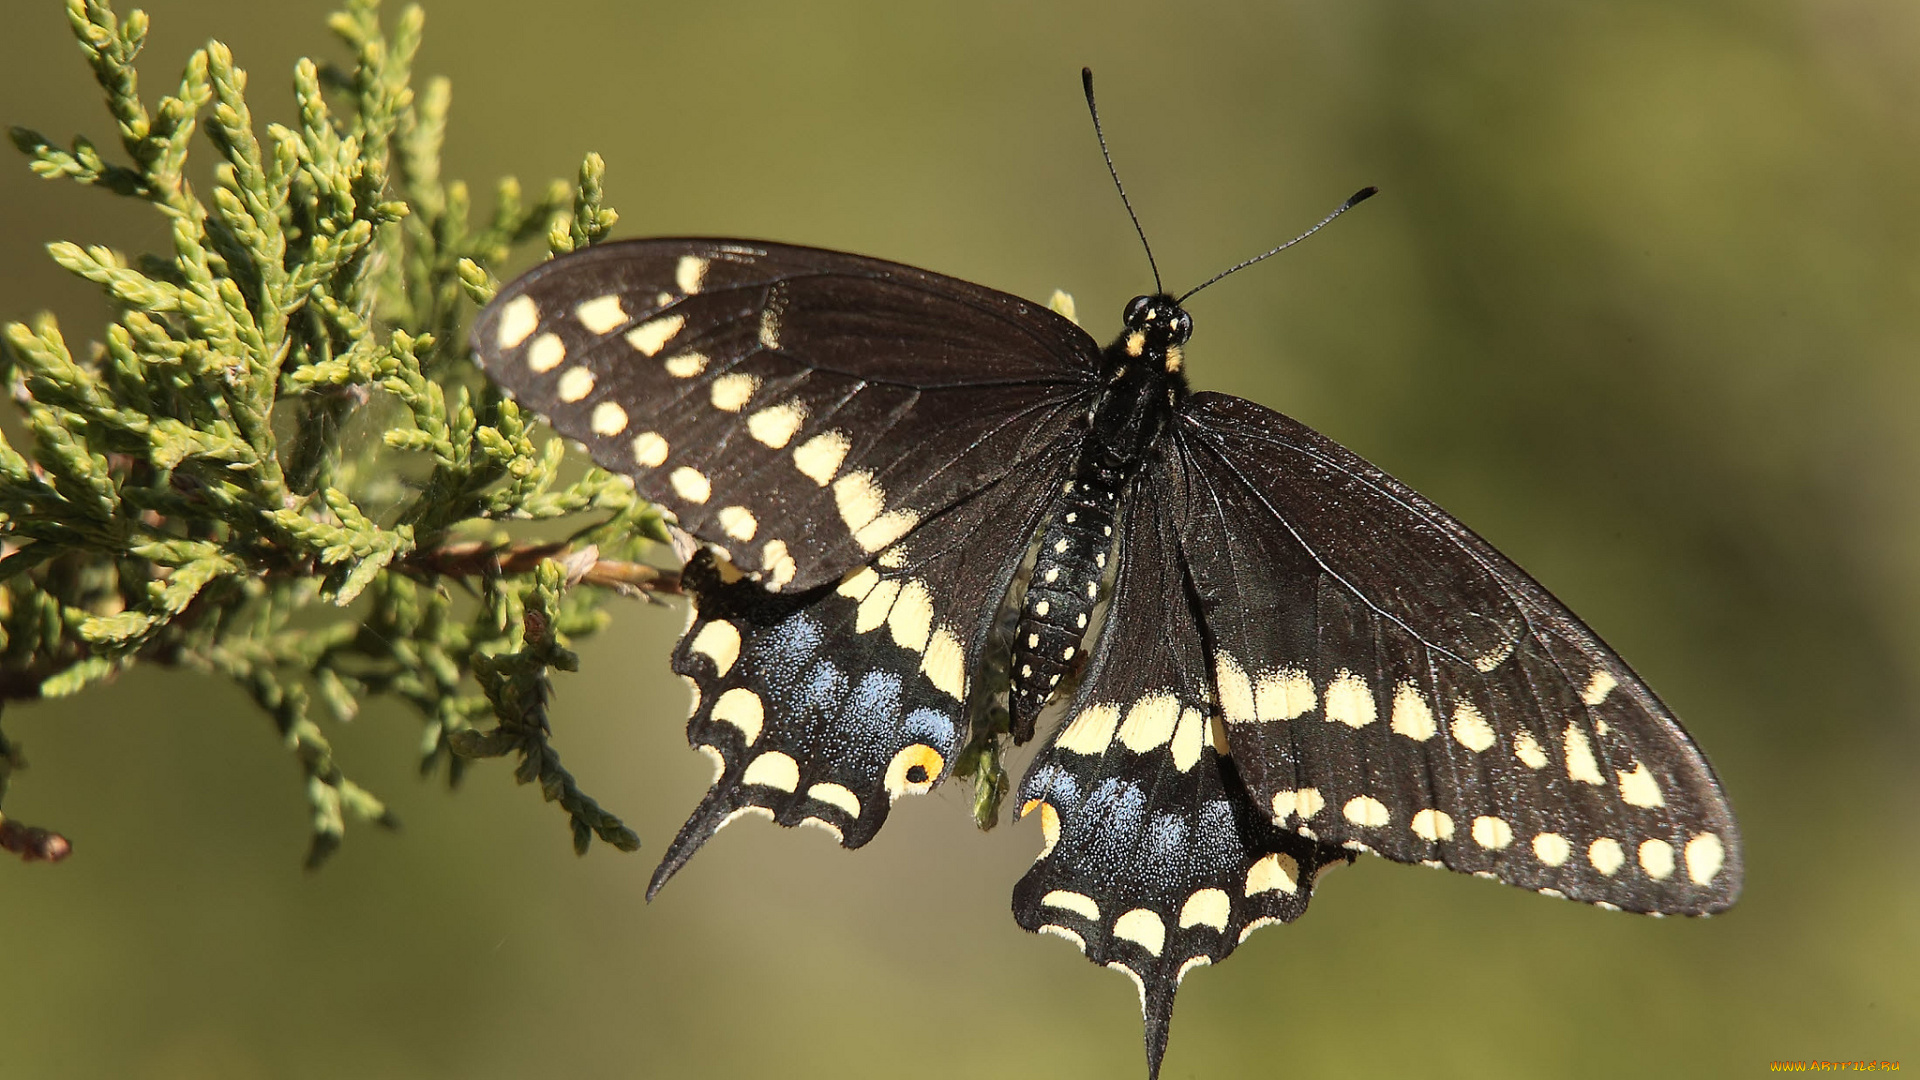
(280, 465)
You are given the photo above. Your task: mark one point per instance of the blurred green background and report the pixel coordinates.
(1638, 303)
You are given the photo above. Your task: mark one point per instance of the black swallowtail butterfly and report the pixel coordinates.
(1301, 658)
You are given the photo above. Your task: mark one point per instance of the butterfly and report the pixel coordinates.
(1271, 654)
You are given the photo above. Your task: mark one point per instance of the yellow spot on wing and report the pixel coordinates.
(1150, 723)
(1236, 693)
(602, 314)
(1599, 687)
(1551, 848)
(1189, 738)
(608, 419)
(687, 364)
(741, 708)
(1470, 729)
(690, 273)
(1061, 303)
(1275, 873)
(1605, 855)
(1284, 695)
(518, 320)
(1705, 854)
(1206, 907)
(649, 449)
(778, 564)
(1305, 803)
(836, 795)
(1143, 928)
(775, 425)
(1079, 903)
(1639, 788)
(1366, 811)
(575, 383)
(859, 499)
(1432, 826)
(819, 457)
(911, 621)
(1349, 701)
(873, 610)
(1492, 833)
(738, 522)
(773, 769)
(1528, 750)
(719, 642)
(1656, 858)
(1580, 763)
(856, 585)
(1411, 716)
(690, 484)
(1091, 732)
(652, 336)
(945, 665)
(546, 353)
(732, 391)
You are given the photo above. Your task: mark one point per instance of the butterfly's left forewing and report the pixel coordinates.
(1391, 683)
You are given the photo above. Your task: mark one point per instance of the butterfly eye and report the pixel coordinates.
(1182, 326)
(1136, 313)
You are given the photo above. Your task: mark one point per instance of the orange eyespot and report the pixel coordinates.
(913, 770)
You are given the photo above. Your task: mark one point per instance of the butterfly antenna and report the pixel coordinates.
(1358, 197)
(1086, 80)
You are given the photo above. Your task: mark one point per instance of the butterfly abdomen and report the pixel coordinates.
(1075, 543)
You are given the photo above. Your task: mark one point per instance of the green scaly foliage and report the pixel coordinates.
(280, 466)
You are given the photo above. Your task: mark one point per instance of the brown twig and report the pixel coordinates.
(32, 844)
(584, 565)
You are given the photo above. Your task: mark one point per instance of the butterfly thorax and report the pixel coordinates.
(1143, 383)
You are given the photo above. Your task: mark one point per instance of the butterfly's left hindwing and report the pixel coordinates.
(823, 708)
(1156, 859)
(1391, 683)
(803, 409)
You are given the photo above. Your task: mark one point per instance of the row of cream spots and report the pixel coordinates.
(905, 608)
(1148, 723)
(1290, 694)
(1704, 853)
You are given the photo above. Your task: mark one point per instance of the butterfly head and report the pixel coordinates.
(1157, 326)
